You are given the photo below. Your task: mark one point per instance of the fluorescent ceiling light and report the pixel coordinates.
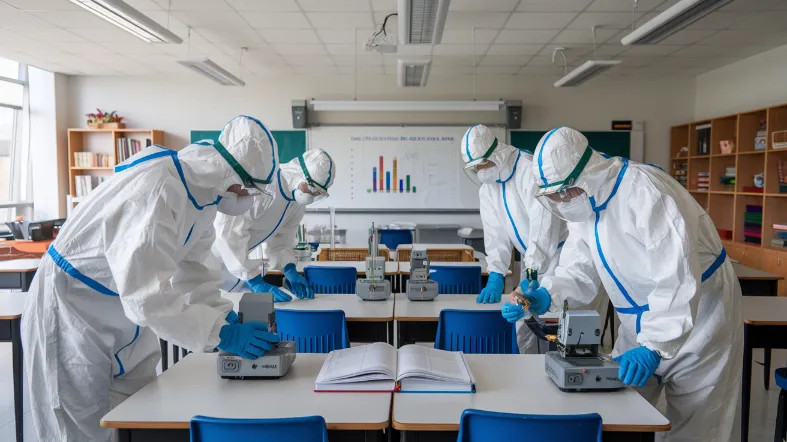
(413, 73)
(130, 20)
(405, 106)
(680, 15)
(585, 72)
(422, 21)
(213, 71)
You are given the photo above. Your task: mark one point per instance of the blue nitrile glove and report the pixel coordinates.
(260, 286)
(232, 317)
(493, 291)
(298, 284)
(250, 340)
(539, 297)
(526, 285)
(637, 365)
(512, 312)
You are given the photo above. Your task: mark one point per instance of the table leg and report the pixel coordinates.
(175, 354)
(746, 385)
(391, 332)
(164, 345)
(767, 366)
(18, 373)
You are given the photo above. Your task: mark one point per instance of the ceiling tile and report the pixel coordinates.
(540, 71)
(424, 50)
(553, 5)
(466, 36)
(497, 70)
(572, 53)
(296, 49)
(523, 36)
(716, 20)
(605, 20)
(571, 36)
(756, 5)
(451, 60)
(236, 37)
(652, 50)
(289, 35)
(277, 20)
(264, 5)
(609, 50)
(687, 36)
(636, 61)
(450, 70)
(467, 20)
(210, 18)
(342, 49)
(109, 34)
(364, 59)
(197, 5)
(86, 48)
(339, 36)
(771, 20)
(623, 5)
(136, 47)
(665, 5)
(504, 60)
(306, 70)
(697, 50)
(497, 49)
(540, 20)
(47, 35)
(542, 60)
(483, 6)
(42, 5)
(384, 5)
(19, 19)
(309, 60)
(335, 5)
(734, 37)
(144, 5)
(340, 20)
(460, 49)
(379, 18)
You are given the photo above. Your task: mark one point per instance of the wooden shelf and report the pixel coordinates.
(754, 152)
(750, 193)
(722, 155)
(113, 130)
(92, 168)
(722, 192)
(778, 195)
(681, 159)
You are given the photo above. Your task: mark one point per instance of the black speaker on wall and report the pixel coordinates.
(514, 114)
(300, 114)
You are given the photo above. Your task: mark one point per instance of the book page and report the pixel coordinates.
(431, 363)
(369, 362)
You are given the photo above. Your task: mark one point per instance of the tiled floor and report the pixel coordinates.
(763, 404)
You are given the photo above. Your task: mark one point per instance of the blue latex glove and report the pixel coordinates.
(513, 312)
(260, 286)
(637, 365)
(526, 285)
(493, 291)
(539, 297)
(232, 317)
(250, 340)
(298, 284)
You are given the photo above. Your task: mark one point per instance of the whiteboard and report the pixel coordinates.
(428, 156)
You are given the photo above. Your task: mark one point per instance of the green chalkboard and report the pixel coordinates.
(291, 143)
(616, 144)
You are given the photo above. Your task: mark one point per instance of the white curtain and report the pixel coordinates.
(21, 183)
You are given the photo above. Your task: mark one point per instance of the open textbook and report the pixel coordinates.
(379, 367)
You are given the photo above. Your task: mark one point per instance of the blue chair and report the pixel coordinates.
(331, 280)
(392, 238)
(213, 429)
(475, 331)
(480, 425)
(780, 377)
(456, 280)
(314, 331)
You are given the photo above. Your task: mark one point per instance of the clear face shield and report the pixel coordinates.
(310, 191)
(251, 185)
(481, 170)
(565, 200)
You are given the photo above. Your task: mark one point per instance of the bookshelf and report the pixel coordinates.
(94, 153)
(736, 209)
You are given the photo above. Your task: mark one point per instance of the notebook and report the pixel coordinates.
(379, 367)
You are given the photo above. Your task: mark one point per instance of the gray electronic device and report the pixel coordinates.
(374, 287)
(577, 364)
(514, 114)
(258, 307)
(420, 287)
(300, 114)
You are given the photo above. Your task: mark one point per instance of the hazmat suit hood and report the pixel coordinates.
(479, 143)
(316, 163)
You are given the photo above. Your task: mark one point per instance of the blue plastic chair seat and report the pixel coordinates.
(393, 238)
(475, 332)
(457, 280)
(302, 429)
(780, 377)
(331, 280)
(313, 331)
(482, 426)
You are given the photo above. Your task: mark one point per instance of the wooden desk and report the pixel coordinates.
(764, 326)
(416, 321)
(11, 306)
(756, 282)
(518, 384)
(163, 409)
(463, 252)
(18, 273)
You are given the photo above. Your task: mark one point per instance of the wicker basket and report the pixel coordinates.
(441, 255)
(358, 254)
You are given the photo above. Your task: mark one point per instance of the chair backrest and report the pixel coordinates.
(331, 280)
(393, 237)
(475, 331)
(313, 331)
(455, 280)
(213, 429)
(440, 255)
(345, 254)
(480, 425)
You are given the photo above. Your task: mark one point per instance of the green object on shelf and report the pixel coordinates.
(291, 143)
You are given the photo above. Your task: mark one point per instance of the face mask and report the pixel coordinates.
(576, 210)
(233, 205)
(488, 176)
(302, 198)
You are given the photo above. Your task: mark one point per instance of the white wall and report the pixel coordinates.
(753, 83)
(178, 105)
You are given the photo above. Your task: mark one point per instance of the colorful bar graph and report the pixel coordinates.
(408, 183)
(374, 179)
(401, 186)
(388, 181)
(381, 173)
(394, 175)
(413, 189)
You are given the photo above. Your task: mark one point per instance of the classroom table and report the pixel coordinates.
(416, 321)
(11, 306)
(18, 273)
(764, 326)
(391, 267)
(518, 384)
(162, 410)
(756, 282)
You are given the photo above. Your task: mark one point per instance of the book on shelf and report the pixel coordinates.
(127, 147)
(84, 184)
(703, 139)
(85, 160)
(781, 235)
(752, 189)
(730, 171)
(778, 242)
(379, 367)
(780, 227)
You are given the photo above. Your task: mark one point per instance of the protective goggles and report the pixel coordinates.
(560, 187)
(473, 164)
(315, 188)
(248, 181)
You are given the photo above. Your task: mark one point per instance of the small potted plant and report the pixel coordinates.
(112, 120)
(95, 120)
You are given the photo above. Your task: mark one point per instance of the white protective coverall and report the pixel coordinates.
(130, 266)
(273, 227)
(657, 253)
(510, 215)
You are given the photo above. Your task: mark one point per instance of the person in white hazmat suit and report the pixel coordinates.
(302, 181)
(656, 251)
(510, 216)
(129, 267)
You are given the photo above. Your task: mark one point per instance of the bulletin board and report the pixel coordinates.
(291, 143)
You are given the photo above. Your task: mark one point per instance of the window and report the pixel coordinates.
(13, 152)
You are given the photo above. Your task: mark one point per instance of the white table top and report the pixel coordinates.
(404, 266)
(391, 267)
(748, 273)
(435, 246)
(12, 304)
(764, 310)
(355, 308)
(406, 310)
(192, 387)
(518, 384)
(19, 265)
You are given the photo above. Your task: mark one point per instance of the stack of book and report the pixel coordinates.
(85, 184)
(752, 224)
(779, 236)
(703, 139)
(703, 181)
(127, 147)
(727, 181)
(680, 170)
(90, 159)
(782, 167)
